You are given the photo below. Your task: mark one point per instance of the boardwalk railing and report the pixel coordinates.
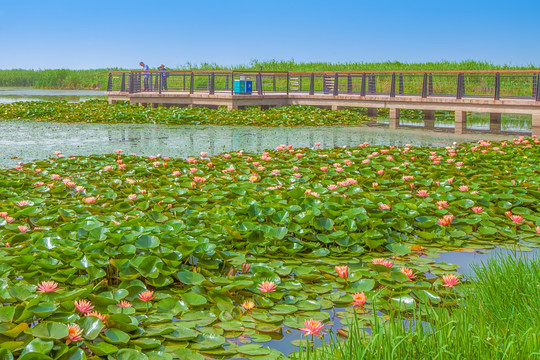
(524, 84)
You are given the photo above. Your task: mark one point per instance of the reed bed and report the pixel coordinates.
(97, 78)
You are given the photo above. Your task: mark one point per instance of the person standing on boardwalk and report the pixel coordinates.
(146, 70)
(164, 76)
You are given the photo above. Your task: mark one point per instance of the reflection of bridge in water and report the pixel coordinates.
(463, 93)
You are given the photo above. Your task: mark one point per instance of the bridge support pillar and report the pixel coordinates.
(460, 123)
(372, 112)
(336, 107)
(112, 102)
(394, 118)
(429, 119)
(429, 114)
(494, 121)
(232, 107)
(536, 124)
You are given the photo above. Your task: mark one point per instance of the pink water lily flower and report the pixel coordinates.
(89, 199)
(74, 333)
(516, 218)
(408, 272)
(245, 267)
(84, 306)
(248, 305)
(23, 203)
(450, 280)
(359, 299)
(312, 327)
(22, 228)
(146, 296)
(446, 220)
(124, 304)
(384, 206)
(267, 286)
(381, 261)
(47, 286)
(477, 209)
(342, 271)
(422, 193)
(538, 229)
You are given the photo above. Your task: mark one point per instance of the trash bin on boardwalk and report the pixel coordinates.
(243, 86)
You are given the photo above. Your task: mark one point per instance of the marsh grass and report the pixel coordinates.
(498, 319)
(97, 78)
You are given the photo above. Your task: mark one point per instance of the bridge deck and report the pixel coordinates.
(483, 92)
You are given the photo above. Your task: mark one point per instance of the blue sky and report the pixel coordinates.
(97, 34)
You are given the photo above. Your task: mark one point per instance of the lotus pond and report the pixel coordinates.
(150, 257)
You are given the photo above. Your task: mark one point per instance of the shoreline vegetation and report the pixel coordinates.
(96, 79)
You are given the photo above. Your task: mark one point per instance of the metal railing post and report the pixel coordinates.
(497, 94)
(312, 84)
(123, 86)
(227, 82)
(349, 84)
(363, 88)
(184, 81)
(459, 94)
(131, 83)
(109, 84)
(287, 83)
(538, 87)
(336, 84)
(156, 83)
(160, 80)
(393, 85)
(212, 84)
(232, 83)
(191, 83)
(274, 84)
(424, 86)
(534, 85)
(430, 87)
(401, 90)
(259, 84)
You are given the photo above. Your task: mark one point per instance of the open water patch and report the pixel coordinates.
(24, 140)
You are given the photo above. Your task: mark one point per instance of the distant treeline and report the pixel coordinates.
(97, 78)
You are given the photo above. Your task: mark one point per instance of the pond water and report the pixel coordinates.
(23, 140)
(466, 260)
(13, 94)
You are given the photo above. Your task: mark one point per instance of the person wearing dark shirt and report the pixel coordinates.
(164, 76)
(146, 70)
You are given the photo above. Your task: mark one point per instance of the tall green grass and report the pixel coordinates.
(97, 78)
(498, 319)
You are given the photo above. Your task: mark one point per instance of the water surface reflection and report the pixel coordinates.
(23, 140)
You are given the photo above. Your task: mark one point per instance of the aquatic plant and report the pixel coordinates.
(99, 111)
(180, 269)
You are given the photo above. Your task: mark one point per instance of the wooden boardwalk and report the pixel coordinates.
(487, 92)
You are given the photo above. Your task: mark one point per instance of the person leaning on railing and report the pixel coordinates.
(164, 76)
(146, 70)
